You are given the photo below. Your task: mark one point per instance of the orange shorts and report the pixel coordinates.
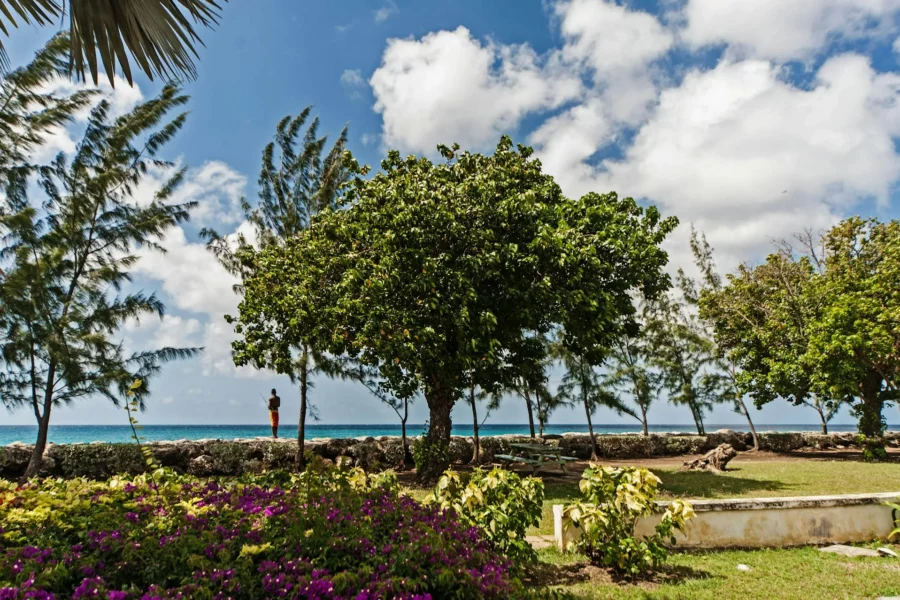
(273, 418)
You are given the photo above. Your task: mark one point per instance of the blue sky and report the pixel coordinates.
(750, 118)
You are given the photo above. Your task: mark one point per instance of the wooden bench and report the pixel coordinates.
(509, 458)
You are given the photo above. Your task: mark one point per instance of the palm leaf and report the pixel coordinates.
(158, 34)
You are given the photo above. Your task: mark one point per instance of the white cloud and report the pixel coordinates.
(610, 38)
(218, 189)
(352, 78)
(121, 99)
(386, 11)
(167, 400)
(782, 30)
(368, 139)
(749, 157)
(171, 331)
(190, 275)
(448, 87)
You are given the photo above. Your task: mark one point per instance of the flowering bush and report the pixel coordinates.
(615, 498)
(323, 535)
(500, 503)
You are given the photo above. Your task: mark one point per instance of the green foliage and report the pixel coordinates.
(435, 271)
(819, 324)
(66, 255)
(157, 33)
(872, 448)
(332, 534)
(426, 452)
(132, 407)
(614, 499)
(896, 515)
(500, 503)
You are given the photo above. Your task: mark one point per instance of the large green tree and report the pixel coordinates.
(856, 342)
(158, 34)
(433, 270)
(300, 177)
(66, 255)
(819, 324)
(762, 319)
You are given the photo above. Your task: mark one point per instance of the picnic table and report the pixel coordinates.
(536, 456)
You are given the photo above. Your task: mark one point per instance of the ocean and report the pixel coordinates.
(69, 434)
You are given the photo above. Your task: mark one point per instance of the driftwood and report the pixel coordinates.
(714, 460)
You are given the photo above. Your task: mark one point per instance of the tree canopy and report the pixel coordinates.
(434, 271)
(818, 324)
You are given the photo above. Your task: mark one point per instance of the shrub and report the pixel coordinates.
(872, 448)
(614, 499)
(324, 534)
(425, 453)
(500, 503)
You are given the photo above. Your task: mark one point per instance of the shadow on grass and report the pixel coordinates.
(704, 484)
(546, 575)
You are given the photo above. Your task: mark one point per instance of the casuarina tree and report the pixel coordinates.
(66, 256)
(300, 177)
(724, 382)
(434, 270)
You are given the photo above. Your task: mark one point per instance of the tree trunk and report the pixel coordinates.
(714, 460)
(301, 426)
(595, 456)
(43, 421)
(822, 418)
(870, 422)
(476, 455)
(530, 413)
(750, 421)
(644, 429)
(405, 460)
(698, 418)
(37, 455)
(437, 440)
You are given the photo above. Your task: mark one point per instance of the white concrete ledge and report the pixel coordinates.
(770, 522)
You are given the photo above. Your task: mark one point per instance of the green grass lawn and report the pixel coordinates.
(753, 479)
(802, 573)
(782, 573)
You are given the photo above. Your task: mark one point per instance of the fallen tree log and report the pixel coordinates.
(714, 460)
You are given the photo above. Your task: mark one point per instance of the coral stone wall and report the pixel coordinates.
(233, 457)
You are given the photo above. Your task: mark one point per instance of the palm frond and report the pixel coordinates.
(159, 35)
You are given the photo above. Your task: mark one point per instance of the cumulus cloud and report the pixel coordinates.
(449, 87)
(195, 282)
(748, 156)
(782, 30)
(610, 38)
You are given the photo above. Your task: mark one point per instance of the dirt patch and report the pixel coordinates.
(543, 574)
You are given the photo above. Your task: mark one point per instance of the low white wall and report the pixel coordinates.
(770, 522)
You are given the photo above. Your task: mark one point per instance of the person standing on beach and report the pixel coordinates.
(274, 404)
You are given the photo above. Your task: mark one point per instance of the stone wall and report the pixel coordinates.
(217, 457)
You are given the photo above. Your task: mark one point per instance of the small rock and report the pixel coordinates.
(744, 568)
(888, 552)
(851, 551)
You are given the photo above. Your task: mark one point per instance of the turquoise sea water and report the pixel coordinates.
(68, 434)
